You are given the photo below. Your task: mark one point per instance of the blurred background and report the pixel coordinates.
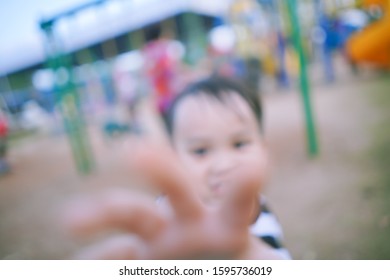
(78, 77)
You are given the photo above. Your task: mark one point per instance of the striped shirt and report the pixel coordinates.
(268, 228)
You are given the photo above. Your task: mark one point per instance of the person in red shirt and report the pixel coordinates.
(160, 66)
(4, 166)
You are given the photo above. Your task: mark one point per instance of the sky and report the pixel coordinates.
(22, 41)
(19, 30)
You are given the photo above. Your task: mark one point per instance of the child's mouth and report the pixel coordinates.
(216, 188)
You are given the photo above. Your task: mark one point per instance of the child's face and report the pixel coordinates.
(214, 139)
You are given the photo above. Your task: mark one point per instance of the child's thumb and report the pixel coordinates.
(239, 201)
(158, 165)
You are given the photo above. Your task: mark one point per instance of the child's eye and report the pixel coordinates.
(200, 151)
(240, 144)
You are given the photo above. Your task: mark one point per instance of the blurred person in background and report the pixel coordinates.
(248, 22)
(161, 62)
(4, 165)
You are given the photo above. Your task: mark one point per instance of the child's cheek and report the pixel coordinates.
(257, 165)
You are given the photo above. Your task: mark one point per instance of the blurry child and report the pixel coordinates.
(212, 184)
(215, 128)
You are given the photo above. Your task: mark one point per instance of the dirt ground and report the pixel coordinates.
(332, 206)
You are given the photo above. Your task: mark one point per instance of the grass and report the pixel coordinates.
(376, 190)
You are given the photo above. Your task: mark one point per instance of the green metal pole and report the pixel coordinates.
(69, 103)
(196, 38)
(303, 78)
(137, 39)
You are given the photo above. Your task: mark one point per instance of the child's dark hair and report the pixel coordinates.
(216, 87)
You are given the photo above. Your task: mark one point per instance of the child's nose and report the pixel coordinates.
(223, 163)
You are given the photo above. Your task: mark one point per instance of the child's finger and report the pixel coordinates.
(241, 194)
(115, 210)
(115, 248)
(158, 164)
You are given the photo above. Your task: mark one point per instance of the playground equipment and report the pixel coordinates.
(372, 44)
(65, 87)
(245, 9)
(312, 141)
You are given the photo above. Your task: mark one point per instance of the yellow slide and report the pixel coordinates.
(372, 44)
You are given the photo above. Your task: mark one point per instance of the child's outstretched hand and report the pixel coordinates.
(183, 227)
